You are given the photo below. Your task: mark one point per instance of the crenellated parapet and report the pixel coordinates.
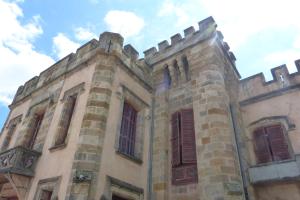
(206, 30)
(108, 43)
(255, 88)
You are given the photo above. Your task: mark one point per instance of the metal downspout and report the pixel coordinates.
(151, 150)
(245, 191)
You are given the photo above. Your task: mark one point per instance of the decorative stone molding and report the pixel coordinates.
(15, 120)
(125, 94)
(125, 190)
(285, 120)
(49, 184)
(78, 89)
(18, 160)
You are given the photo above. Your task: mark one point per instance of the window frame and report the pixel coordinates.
(132, 123)
(70, 103)
(273, 158)
(11, 131)
(124, 94)
(49, 184)
(73, 92)
(185, 166)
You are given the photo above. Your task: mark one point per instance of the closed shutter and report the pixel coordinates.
(128, 129)
(65, 120)
(278, 144)
(175, 139)
(188, 137)
(261, 146)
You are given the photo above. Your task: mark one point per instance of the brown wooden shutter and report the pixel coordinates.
(278, 144)
(175, 139)
(261, 146)
(65, 120)
(188, 137)
(128, 129)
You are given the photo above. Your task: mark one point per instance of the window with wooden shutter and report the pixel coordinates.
(188, 137)
(278, 144)
(184, 160)
(270, 144)
(128, 129)
(65, 119)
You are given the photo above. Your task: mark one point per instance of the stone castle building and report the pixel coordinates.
(178, 124)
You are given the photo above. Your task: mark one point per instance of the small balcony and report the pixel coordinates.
(19, 160)
(276, 171)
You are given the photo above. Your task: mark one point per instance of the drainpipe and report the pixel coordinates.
(151, 150)
(234, 124)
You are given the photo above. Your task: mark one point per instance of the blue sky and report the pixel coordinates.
(35, 34)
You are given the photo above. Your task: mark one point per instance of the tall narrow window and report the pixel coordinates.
(167, 78)
(186, 68)
(270, 144)
(11, 130)
(128, 129)
(36, 125)
(184, 161)
(176, 71)
(65, 120)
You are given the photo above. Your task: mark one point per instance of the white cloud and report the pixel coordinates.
(170, 8)
(63, 46)
(240, 20)
(84, 34)
(126, 23)
(19, 61)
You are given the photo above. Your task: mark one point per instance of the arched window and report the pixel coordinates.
(270, 144)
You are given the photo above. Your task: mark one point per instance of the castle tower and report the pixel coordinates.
(194, 79)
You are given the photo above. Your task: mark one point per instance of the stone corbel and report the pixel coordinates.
(119, 92)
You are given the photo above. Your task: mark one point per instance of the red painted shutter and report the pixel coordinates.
(128, 129)
(175, 139)
(261, 146)
(188, 137)
(278, 144)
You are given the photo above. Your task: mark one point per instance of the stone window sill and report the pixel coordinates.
(273, 162)
(57, 147)
(129, 157)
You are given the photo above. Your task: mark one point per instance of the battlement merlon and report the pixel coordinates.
(109, 43)
(256, 87)
(206, 30)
